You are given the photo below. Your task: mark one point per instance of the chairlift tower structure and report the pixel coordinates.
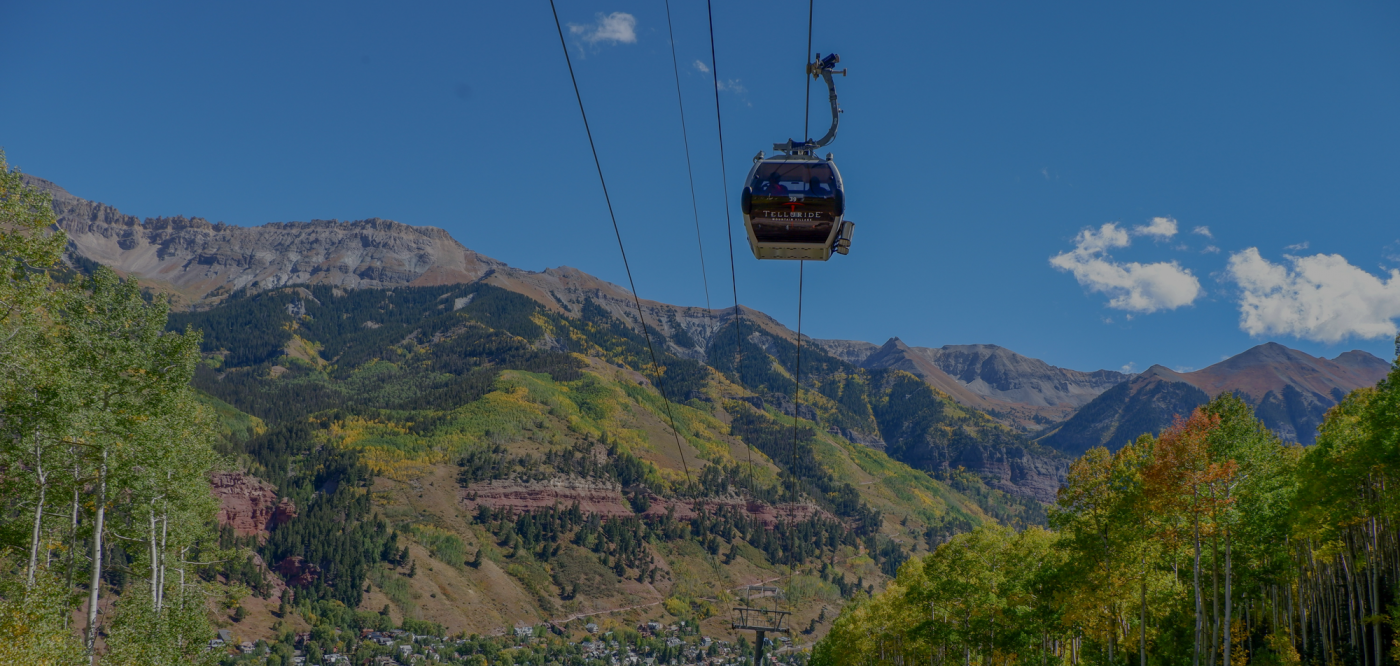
(762, 617)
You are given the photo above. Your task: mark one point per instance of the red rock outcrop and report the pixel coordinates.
(606, 500)
(298, 572)
(249, 504)
(592, 496)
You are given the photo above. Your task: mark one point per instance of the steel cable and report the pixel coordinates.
(690, 174)
(656, 366)
(729, 225)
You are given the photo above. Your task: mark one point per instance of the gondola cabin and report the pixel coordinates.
(794, 207)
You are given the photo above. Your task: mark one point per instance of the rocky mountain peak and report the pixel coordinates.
(1290, 391)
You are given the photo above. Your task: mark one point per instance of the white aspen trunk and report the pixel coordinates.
(1196, 585)
(1321, 599)
(1292, 637)
(1214, 596)
(96, 585)
(1273, 603)
(1142, 621)
(1375, 593)
(38, 517)
(1229, 629)
(164, 531)
(1305, 601)
(73, 533)
(151, 549)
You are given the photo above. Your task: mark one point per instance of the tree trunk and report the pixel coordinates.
(1214, 596)
(1371, 566)
(1305, 599)
(96, 585)
(1142, 620)
(1229, 616)
(151, 549)
(73, 531)
(1196, 585)
(164, 531)
(38, 510)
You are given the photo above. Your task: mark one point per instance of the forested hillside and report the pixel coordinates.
(105, 454)
(458, 456)
(522, 455)
(306, 466)
(1213, 543)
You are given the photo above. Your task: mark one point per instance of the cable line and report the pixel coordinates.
(617, 232)
(807, 101)
(694, 206)
(729, 224)
(797, 379)
(801, 268)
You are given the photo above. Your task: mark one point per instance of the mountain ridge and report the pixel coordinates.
(1025, 393)
(202, 264)
(1290, 391)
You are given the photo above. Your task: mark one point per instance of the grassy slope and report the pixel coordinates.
(412, 454)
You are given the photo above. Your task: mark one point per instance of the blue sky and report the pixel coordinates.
(979, 142)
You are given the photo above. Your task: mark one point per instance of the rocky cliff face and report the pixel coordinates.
(999, 373)
(203, 262)
(1024, 393)
(1289, 390)
(927, 431)
(606, 500)
(249, 504)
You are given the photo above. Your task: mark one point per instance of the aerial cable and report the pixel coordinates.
(801, 266)
(729, 224)
(807, 101)
(685, 139)
(617, 232)
(797, 380)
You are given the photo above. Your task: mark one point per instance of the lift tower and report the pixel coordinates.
(756, 615)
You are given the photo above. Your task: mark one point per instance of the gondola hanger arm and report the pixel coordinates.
(821, 68)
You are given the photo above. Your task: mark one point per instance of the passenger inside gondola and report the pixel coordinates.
(781, 180)
(774, 187)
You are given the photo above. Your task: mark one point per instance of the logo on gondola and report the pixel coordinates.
(794, 200)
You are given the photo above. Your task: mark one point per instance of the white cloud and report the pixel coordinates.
(1391, 252)
(617, 27)
(702, 67)
(1132, 286)
(1210, 249)
(1297, 246)
(1128, 368)
(1322, 297)
(732, 85)
(1184, 368)
(1161, 228)
(1203, 231)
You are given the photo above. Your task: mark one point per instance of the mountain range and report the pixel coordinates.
(517, 431)
(1290, 391)
(201, 263)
